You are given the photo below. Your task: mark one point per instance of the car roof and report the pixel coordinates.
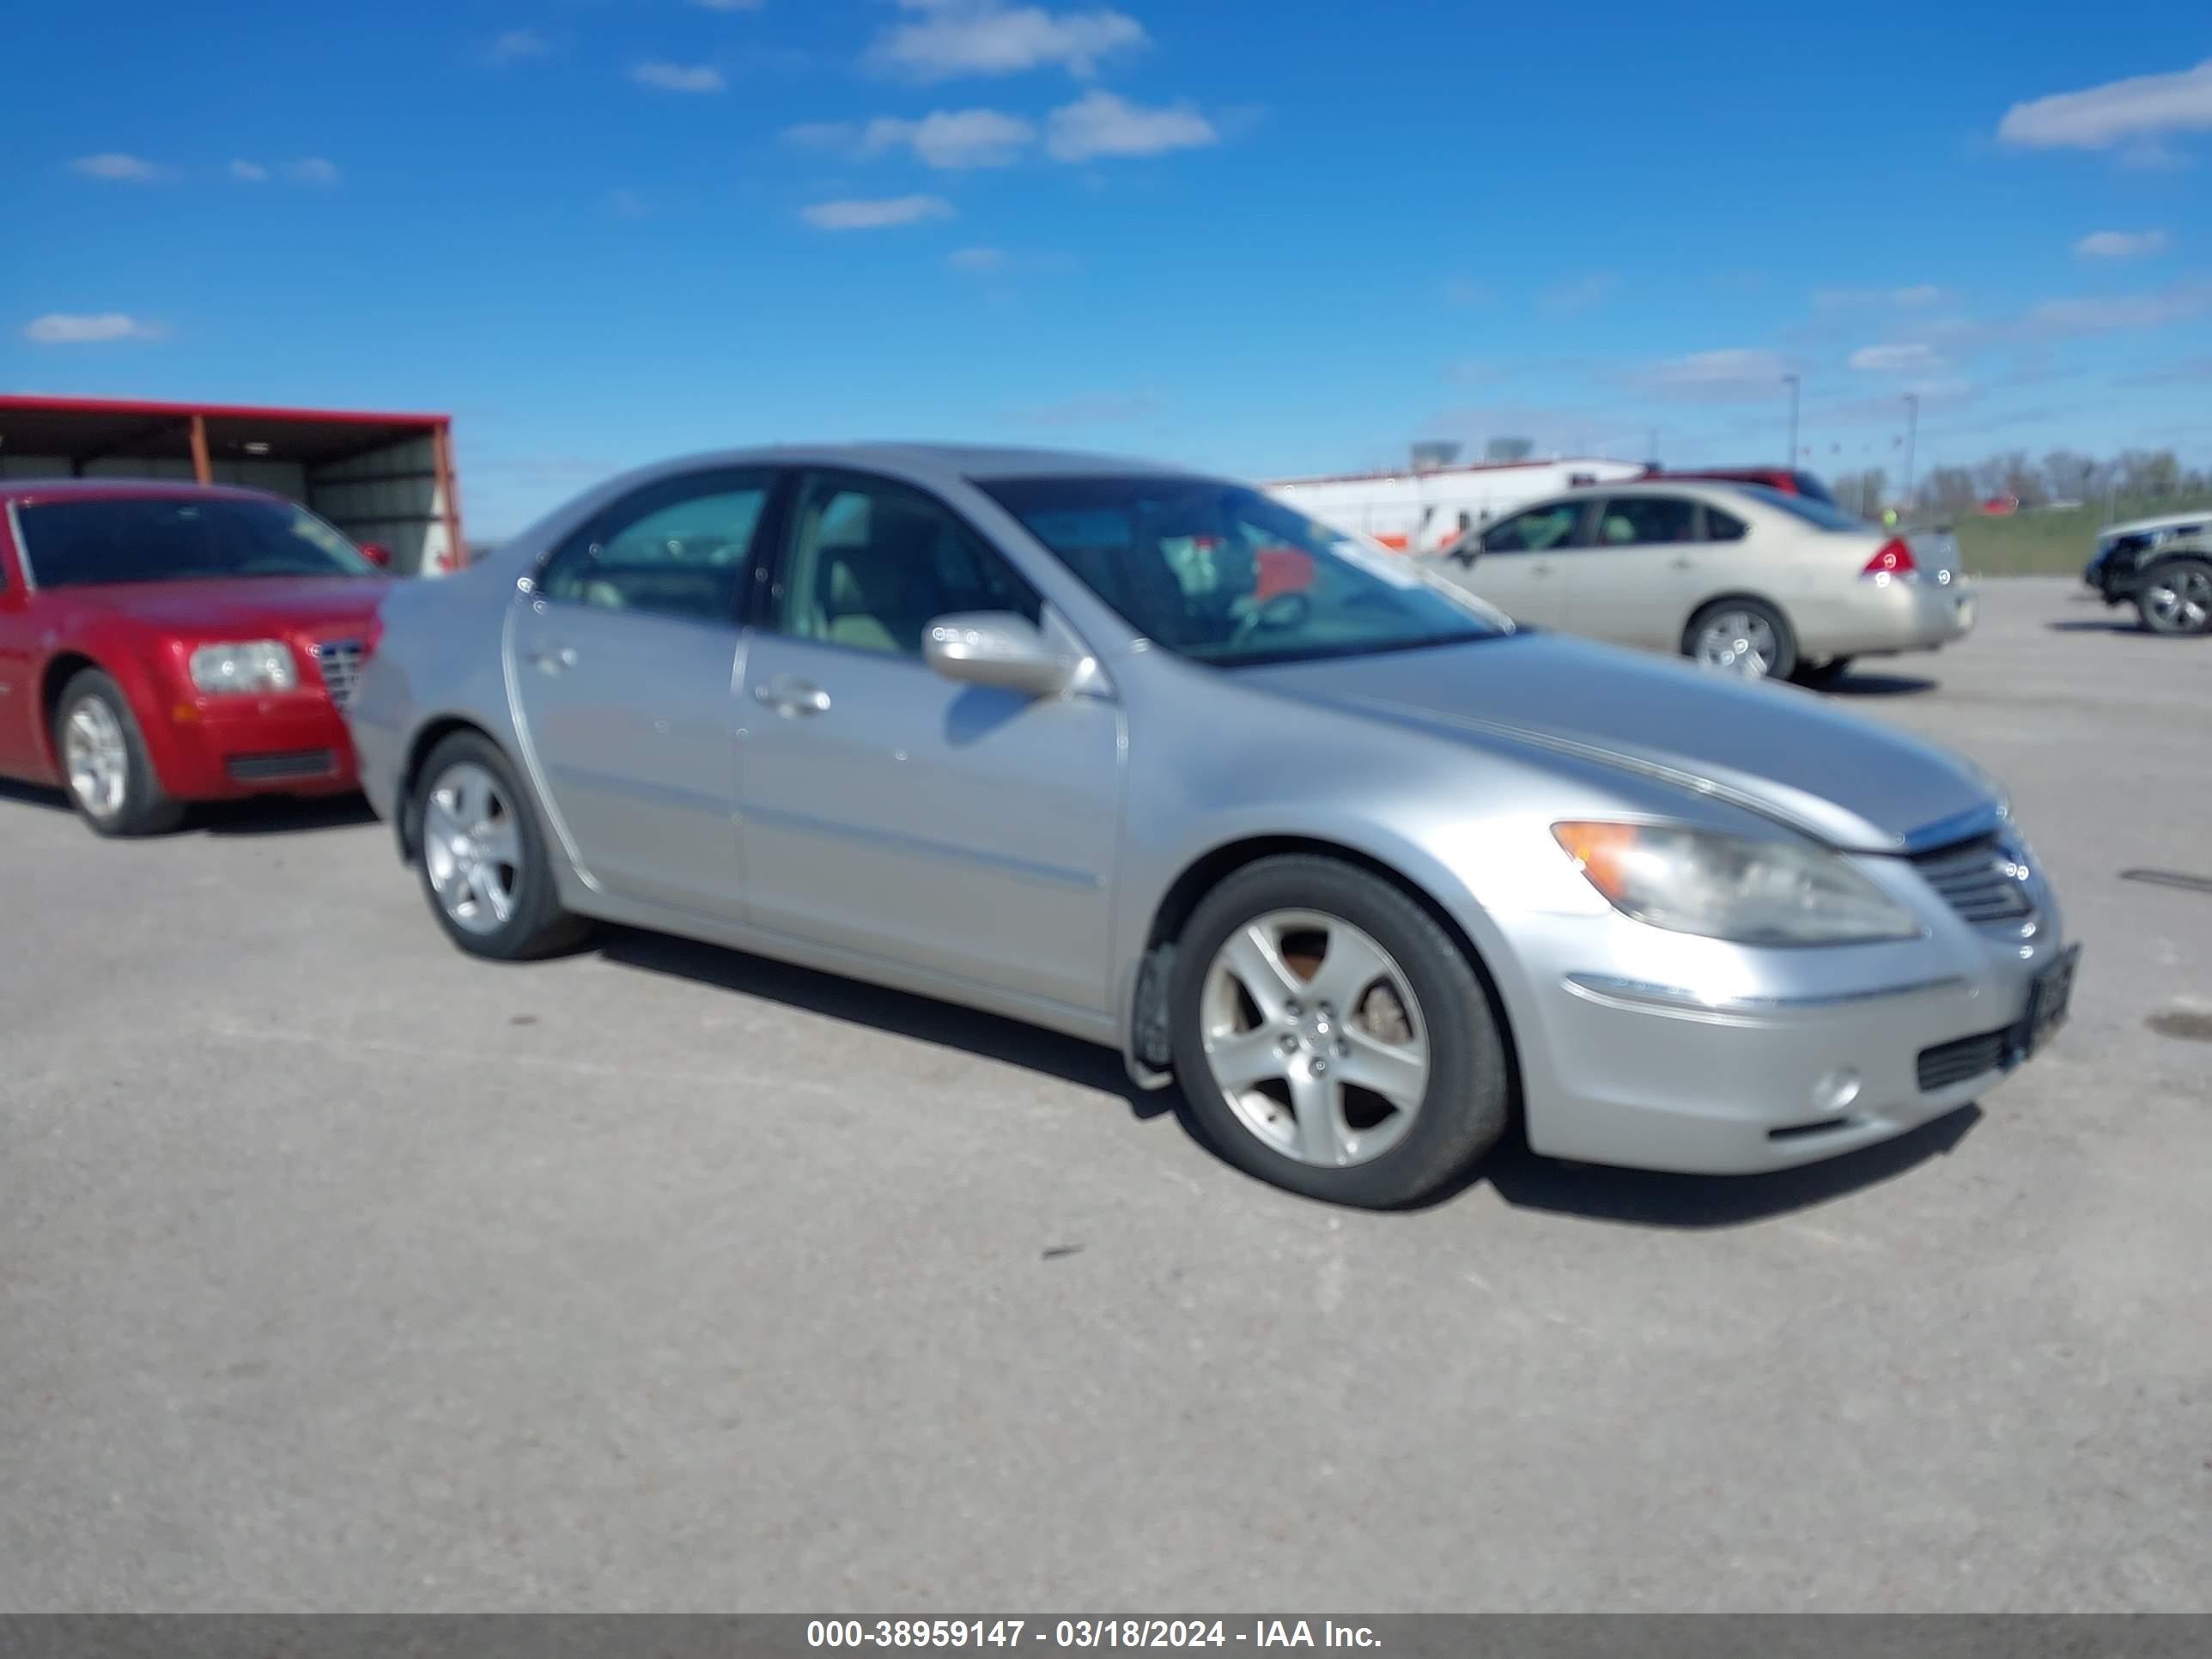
(931, 462)
(25, 491)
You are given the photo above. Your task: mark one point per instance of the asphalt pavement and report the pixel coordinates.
(340, 1272)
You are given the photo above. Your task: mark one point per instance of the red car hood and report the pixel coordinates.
(241, 607)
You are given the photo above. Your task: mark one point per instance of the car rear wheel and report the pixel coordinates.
(482, 857)
(2174, 597)
(1329, 1036)
(1748, 638)
(103, 761)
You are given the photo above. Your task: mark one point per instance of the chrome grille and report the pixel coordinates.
(1948, 1063)
(340, 661)
(1986, 880)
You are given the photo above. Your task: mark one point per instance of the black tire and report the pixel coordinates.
(537, 926)
(2191, 579)
(1467, 1105)
(1823, 675)
(1785, 663)
(144, 809)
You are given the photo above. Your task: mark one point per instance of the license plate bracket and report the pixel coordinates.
(2050, 998)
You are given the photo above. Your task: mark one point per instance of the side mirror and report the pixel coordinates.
(377, 553)
(996, 647)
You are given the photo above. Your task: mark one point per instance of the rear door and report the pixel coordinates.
(1525, 564)
(1633, 583)
(622, 661)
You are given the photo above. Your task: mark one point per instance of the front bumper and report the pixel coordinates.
(1662, 1051)
(213, 748)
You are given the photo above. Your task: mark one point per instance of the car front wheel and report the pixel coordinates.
(482, 856)
(2174, 597)
(1748, 638)
(1331, 1037)
(103, 761)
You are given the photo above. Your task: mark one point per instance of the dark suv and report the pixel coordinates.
(2165, 570)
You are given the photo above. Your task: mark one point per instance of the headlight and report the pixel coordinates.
(246, 665)
(1732, 887)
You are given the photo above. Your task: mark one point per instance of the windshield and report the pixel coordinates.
(1222, 573)
(1825, 514)
(155, 538)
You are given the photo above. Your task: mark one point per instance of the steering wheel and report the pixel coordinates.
(1283, 610)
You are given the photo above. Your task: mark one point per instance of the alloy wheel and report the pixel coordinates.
(472, 848)
(96, 758)
(1314, 1037)
(1737, 642)
(2182, 603)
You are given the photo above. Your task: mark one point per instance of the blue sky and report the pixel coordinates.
(1269, 239)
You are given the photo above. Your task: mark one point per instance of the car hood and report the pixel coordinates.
(1774, 750)
(2170, 521)
(242, 604)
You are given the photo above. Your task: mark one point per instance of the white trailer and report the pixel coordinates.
(1421, 511)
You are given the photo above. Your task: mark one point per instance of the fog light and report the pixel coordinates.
(1836, 1092)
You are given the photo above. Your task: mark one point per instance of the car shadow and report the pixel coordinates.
(1687, 1202)
(1880, 686)
(1522, 1178)
(2100, 625)
(33, 794)
(279, 814)
(988, 1037)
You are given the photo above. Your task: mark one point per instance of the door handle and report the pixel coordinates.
(555, 659)
(1540, 570)
(791, 697)
(1682, 564)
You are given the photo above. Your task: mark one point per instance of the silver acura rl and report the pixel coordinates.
(1152, 759)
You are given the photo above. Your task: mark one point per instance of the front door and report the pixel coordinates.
(960, 829)
(623, 663)
(1525, 564)
(21, 753)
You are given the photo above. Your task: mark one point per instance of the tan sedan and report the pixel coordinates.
(1740, 578)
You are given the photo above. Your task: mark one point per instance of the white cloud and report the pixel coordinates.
(1911, 357)
(1917, 297)
(824, 135)
(987, 37)
(1099, 124)
(677, 77)
(2107, 313)
(1459, 291)
(118, 168)
(953, 139)
(875, 215)
(1580, 294)
(519, 43)
(2138, 109)
(61, 328)
(251, 173)
(982, 261)
(312, 170)
(728, 5)
(629, 205)
(1738, 374)
(2121, 244)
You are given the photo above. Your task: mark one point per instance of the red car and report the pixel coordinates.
(166, 643)
(1788, 480)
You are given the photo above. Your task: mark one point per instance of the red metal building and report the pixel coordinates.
(383, 478)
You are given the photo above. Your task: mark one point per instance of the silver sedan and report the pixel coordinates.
(1154, 760)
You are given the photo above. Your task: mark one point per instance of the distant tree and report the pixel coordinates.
(2068, 476)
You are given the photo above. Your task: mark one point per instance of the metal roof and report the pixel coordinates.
(83, 428)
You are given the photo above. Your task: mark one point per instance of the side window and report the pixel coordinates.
(1640, 520)
(1536, 531)
(678, 548)
(869, 564)
(1722, 526)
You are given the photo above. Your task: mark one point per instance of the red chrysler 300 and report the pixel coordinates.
(166, 643)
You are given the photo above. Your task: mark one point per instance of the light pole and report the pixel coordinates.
(1790, 380)
(1911, 432)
